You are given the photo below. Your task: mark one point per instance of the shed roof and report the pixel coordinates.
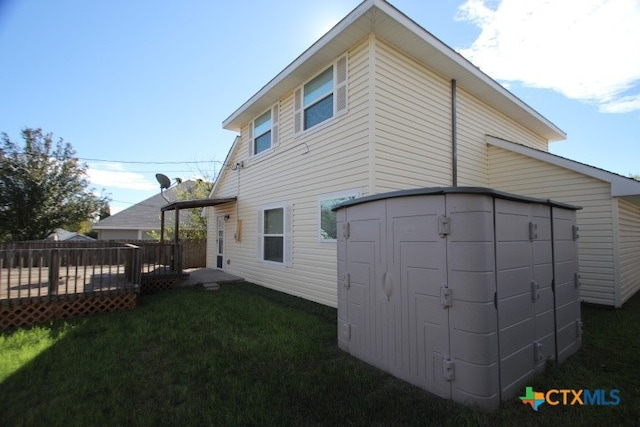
(388, 23)
(434, 191)
(197, 203)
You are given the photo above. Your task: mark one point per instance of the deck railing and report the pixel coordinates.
(51, 273)
(192, 253)
(161, 259)
(43, 282)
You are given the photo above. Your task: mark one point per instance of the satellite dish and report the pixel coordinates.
(163, 180)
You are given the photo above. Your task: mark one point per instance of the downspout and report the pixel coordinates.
(454, 134)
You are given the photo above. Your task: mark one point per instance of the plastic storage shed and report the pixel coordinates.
(465, 292)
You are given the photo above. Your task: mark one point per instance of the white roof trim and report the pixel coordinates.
(620, 186)
(387, 22)
(236, 142)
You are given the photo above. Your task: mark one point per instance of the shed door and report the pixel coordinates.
(391, 270)
(542, 276)
(364, 267)
(524, 291)
(417, 268)
(567, 295)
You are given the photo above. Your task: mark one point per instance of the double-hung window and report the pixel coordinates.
(274, 234)
(321, 98)
(263, 132)
(318, 99)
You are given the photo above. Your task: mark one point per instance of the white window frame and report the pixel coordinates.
(355, 193)
(320, 98)
(339, 92)
(274, 110)
(287, 235)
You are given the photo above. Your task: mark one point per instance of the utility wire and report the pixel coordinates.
(165, 171)
(86, 159)
(148, 163)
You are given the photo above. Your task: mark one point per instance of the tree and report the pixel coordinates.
(194, 224)
(105, 212)
(85, 226)
(42, 187)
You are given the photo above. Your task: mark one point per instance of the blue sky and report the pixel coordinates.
(139, 87)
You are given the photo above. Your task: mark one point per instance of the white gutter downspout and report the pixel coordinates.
(454, 134)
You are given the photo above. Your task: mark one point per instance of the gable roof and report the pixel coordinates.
(144, 215)
(388, 23)
(61, 235)
(226, 164)
(621, 186)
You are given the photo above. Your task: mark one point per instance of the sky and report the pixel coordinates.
(142, 87)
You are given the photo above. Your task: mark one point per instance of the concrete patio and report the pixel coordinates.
(210, 278)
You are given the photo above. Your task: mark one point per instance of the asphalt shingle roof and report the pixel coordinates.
(144, 215)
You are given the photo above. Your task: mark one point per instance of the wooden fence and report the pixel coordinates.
(193, 253)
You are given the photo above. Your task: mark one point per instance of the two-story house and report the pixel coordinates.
(379, 104)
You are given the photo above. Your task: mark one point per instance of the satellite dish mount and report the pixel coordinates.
(164, 182)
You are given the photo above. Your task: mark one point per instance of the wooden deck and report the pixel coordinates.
(44, 284)
(20, 283)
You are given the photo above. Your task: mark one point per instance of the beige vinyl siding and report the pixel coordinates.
(413, 126)
(412, 123)
(395, 135)
(520, 174)
(475, 120)
(329, 158)
(211, 236)
(629, 248)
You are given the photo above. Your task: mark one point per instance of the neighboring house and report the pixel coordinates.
(137, 221)
(62, 235)
(379, 104)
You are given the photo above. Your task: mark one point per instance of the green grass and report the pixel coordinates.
(246, 355)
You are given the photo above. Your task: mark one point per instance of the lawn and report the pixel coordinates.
(246, 355)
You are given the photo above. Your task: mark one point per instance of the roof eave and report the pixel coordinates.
(389, 23)
(621, 186)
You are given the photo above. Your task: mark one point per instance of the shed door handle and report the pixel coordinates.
(387, 285)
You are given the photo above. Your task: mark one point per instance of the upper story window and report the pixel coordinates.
(321, 98)
(263, 132)
(318, 99)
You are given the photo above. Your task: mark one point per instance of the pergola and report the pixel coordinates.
(188, 204)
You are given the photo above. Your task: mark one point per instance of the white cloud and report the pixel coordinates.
(114, 175)
(625, 104)
(587, 50)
